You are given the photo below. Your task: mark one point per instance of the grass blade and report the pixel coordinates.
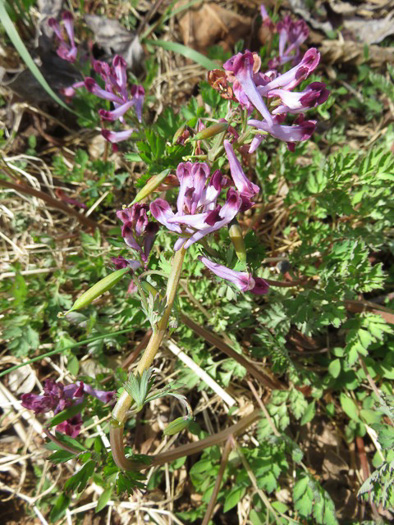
(53, 352)
(25, 55)
(187, 52)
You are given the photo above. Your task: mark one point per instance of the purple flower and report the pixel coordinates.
(71, 427)
(57, 397)
(138, 232)
(66, 50)
(242, 280)
(138, 94)
(294, 76)
(241, 65)
(313, 95)
(198, 213)
(292, 34)
(300, 131)
(244, 186)
(116, 136)
(92, 86)
(115, 91)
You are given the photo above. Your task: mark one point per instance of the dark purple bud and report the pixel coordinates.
(71, 427)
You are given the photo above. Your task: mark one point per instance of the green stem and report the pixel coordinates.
(124, 402)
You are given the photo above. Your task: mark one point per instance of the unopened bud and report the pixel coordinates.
(150, 186)
(207, 133)
(147, 287)
(237, 239)
(177, 425)
(98, 289)
(182, 134)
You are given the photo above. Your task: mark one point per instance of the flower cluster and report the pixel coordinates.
(198, 212)
(292, 34)
(116, 88)
(138, 232)
(116, 91)
(58, 397)
(250, 86)
(67, 50)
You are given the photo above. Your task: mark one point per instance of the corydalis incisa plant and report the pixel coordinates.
(202, 209)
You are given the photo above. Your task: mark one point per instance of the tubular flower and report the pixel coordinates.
(137, 231)
(246, 188)
(242, 280)
(66, 50)
(58, 397)
(313, 95)
(198, 213)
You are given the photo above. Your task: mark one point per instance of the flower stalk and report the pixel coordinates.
(125, 401)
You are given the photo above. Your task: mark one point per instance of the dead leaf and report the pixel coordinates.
(22, 380)
(57, 72)
(301, 8)
(116, 40)
(212, 24)
(348, 52)
(371, 31)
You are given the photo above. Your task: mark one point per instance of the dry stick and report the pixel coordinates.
(215, 340)
(89, 223)
(367, 306)
(226, 452)
(136, 352)
(253, 479)
(263, 408)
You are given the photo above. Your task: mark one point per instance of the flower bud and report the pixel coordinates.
(177, 425)
(98, 289)
(237, 239)
(150, 186)
(213, 130)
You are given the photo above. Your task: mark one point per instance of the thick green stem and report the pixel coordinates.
(124, 402)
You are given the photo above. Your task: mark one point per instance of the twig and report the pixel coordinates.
(215, 340)
(264, 409)
(253, 479)
(89, 223)
(230, 401)
(226, 452)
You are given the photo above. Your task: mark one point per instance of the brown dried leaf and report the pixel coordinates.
(334, 51)
(212, 24)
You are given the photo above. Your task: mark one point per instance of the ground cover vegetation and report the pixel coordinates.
(196, 250)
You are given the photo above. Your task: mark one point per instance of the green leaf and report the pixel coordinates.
(73, 364)
(309, 413)
(79, 480)
(98, 289)
(66, 414)
(186, 52)
(334, 368)
(104, 499)
(61, 456)
(25, 55)
(300, 488)
(233, 497)
(61, 505)
(349, 407)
